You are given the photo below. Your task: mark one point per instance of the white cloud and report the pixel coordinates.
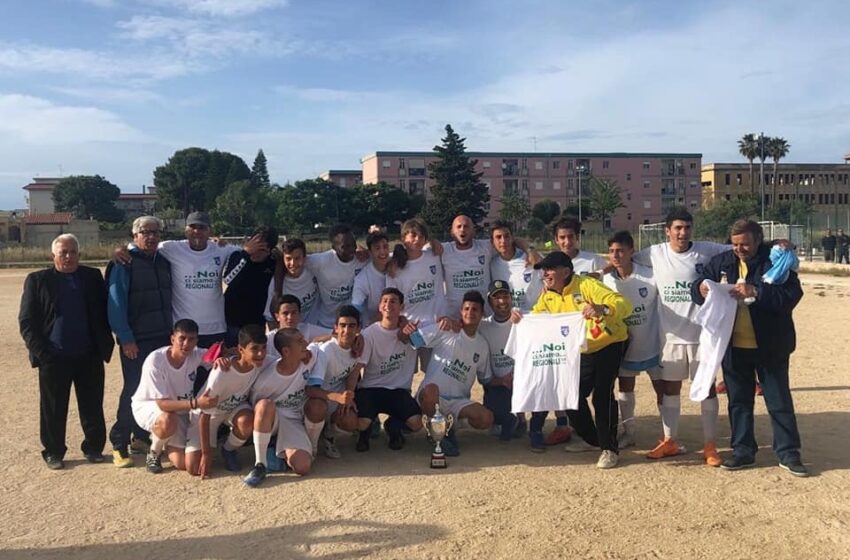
(37, 121)
(222, 7)
(112, 95)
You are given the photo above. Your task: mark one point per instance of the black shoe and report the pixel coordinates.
(153, 462)
(94, 457)
(393, 428)
(508, 428)
(363, 440)
(54, 463)
(738, 463)
(795, 467)
(256, 476)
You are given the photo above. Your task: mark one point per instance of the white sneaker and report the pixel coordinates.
(626, 438)
(578, 445)
(607, 460)
(330, 449)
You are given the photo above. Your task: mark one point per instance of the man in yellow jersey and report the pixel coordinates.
(762, 341)
(604, 311)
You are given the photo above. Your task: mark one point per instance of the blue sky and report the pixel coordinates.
(114, 87)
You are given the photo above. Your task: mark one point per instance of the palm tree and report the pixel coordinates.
(604, 198)
(748, 146)
(776, 148)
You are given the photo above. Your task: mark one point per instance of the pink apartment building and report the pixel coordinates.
(651, 183)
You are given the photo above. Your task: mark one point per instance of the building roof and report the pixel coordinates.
(138, 196)
(343, 172)
(782, 166)
(63, 218)
(541, 155)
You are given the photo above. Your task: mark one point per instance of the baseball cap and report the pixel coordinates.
(198, 219)
(497, 286)
(554, 260)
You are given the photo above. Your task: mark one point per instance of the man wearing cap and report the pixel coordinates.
(604, 311)
(498, 391)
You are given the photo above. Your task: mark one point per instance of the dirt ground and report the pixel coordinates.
(494, 501)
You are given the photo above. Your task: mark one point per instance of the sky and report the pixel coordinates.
(115, 87)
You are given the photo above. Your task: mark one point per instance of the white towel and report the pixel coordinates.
(716, 317)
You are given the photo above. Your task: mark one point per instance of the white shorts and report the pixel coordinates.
(451, 406)
(145, 413)
(679, 361)
(653, 372)
(193, 434)
(291, 435)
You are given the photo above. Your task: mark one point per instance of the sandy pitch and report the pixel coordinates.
(494, 501)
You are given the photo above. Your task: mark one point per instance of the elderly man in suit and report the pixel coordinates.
(64, 325)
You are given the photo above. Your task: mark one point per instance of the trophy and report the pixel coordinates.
(437, 427)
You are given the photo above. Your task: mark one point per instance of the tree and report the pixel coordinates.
(546, 210)
(604, 198)
(714, 222)
(790, 211)
(241, 208)
(515, 209)
(776, 148)
(193, 178)
(536, 228)
(380, 204)
(748, 146)
(458, 188)
(88, 197)
(308, 205)
(260, 171)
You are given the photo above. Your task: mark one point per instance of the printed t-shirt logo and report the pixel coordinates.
(565, 330)
(480, 259)
(217, 261)
(475, 357)
(700, 268)
(643, 292)
(433, 269)
(526, 276)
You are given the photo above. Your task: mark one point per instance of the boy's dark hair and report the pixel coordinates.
(348, 311)
(373, 238)
(251, 333)
(567, 222)
(473, 296)
(279, 300)
(623, 238)
(678, 213)
(267, 234)
(500, 224)
(291, 245)
(393, 292)
(338, 229)
(187, 326)
(284, 338)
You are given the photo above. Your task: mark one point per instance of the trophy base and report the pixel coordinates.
(438, 461)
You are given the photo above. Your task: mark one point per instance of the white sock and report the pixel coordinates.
(709, 409)
(627, 409)
(671, 408)
(157, 444)
(314, 430)
(261, 443)
(664, 427)
(233, 442)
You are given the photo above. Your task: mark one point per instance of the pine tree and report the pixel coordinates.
(260, 171)
(458, 188)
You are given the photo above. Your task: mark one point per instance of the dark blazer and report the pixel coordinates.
(771, 312)
(38, 312)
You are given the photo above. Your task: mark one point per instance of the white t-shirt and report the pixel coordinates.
(585, 262)
(496, 334)
(639, 288)
(309, 331)
(336, 284)
(305, 288)
(368, 286)
(232, 387)
(674, 273)
(161, 380)
(421, 282)
(287, 391)
(525, 282)
(389, 362)
(464, 270)
(196, 283)
(716, 316)
(333, 364)
(456, 362)
(547, 353)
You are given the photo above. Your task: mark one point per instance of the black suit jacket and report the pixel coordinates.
(38, 313)
(771, 313)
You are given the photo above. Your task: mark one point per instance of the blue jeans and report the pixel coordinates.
(741, 385)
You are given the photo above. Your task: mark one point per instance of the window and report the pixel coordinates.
(738, 179)
(486, 165)
(628, 196)
(628, 176)
(385, 163)
(342, 182)
(646, 184)
(556, 185)
(692, 165)
(604, 164)
(538, 165)
(538, 185)
(647, 204)
(694, 184)
(629, 216)
(402, 184)
(693, 204)
(727, 179)
(646, 165)
(401, 163)
(556, 164)
(570, 164)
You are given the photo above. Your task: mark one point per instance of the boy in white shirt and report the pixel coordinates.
(372, 280)
(458, 359)
(291, 277)
(466, 264)
(287, 311)
(513, 265)
(231, 385)
(164, 399)
(335, 270)
(643, 352)
(281, 408)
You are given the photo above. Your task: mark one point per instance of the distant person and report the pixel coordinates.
(64, 326)
(763, 338)
(827, 243)
(842, 244)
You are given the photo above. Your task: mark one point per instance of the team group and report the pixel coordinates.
(289, 349)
